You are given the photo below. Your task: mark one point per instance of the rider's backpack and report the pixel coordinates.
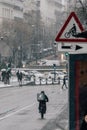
(40, 97)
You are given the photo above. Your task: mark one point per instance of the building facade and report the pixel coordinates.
(11, 8)
(9, 11)
(42, 16)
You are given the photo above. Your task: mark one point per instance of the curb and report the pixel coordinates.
(9, 85)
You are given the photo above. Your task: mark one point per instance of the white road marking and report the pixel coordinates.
(13, 113)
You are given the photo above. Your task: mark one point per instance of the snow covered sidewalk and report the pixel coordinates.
(13, 83)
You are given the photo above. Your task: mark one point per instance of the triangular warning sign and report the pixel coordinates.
(67, 34)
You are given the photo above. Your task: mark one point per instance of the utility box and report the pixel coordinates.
(78, 91)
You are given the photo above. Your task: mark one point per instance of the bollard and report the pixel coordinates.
(46, 81)
(40, 80)
(58, 80)
(34, 80)
(52, 80)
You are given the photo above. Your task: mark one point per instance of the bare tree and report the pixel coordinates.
(83, 6)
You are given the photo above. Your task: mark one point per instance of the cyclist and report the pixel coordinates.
(73, 29)
(71, 32)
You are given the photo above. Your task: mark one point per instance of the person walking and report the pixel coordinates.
(8, 76)
(17, 74)
(3, 75)
(19, 77)
(64, 83)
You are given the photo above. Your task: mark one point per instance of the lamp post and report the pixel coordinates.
(55, 46)
(36, 43)
(19, 56)
(54, 67)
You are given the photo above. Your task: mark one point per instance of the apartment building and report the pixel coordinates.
(9, 11)
(49, 12)
(48, 8)
(11, 8)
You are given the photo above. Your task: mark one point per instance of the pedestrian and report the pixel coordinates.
(42, 99)
(3, 74)
(17, 74)
(8, 75)
(64, 83)
(20, 78)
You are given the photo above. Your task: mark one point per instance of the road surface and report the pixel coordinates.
(19, 106)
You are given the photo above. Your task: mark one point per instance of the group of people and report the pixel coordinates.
(6, 74)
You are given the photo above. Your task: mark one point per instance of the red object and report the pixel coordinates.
(59, 39)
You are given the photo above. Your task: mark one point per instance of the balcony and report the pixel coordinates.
(9, 2)
(14, 3)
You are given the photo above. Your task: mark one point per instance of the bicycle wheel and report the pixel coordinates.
(67, 35)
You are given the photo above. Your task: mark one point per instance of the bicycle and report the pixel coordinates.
(70, 33)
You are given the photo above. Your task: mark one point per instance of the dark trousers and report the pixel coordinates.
(64, 84)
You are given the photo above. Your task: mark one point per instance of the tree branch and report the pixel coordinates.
(82, 5)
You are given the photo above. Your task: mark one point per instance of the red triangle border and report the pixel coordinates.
(58, 39)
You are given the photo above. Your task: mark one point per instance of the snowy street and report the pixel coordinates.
(19, 106)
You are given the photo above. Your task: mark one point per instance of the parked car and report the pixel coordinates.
(51, 74)
(36, 74)
(58, 74)
(25, 73)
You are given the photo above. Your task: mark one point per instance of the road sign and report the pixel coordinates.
(69, 47)
(70, 30)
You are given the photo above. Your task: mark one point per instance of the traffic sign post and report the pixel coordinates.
(54, 66)
(72, 41)
(72, 38)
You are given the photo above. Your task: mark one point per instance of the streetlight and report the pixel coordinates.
(54, 67)
(55, 45)
(19, 56)
(32, 46)
(36, 43)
